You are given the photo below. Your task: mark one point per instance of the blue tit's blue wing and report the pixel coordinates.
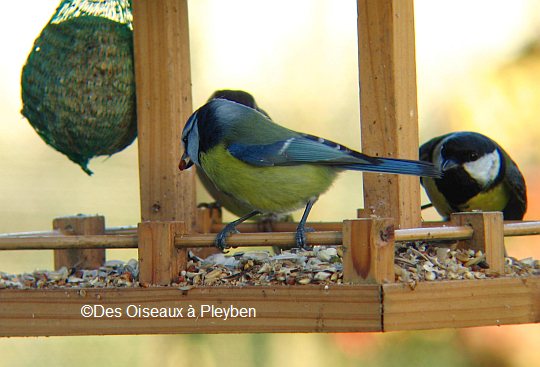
(298, 150)
(309, 149)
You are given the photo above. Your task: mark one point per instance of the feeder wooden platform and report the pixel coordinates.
(171, 223)
(309, 308)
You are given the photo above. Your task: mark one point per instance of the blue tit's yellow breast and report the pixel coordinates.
(268, 189)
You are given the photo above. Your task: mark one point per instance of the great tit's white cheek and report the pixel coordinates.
(485, 169)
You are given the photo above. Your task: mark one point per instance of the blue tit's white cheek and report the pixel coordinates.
(485, 169)
(193, 144)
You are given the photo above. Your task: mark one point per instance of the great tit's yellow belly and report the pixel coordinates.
(273, 189)
(495, 199)
(492, 200)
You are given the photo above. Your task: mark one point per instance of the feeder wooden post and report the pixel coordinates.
(163, 77)
(368, 250)
(159, 260)
(163, 80)
(388, 105)
(79, 258)
(488, 236)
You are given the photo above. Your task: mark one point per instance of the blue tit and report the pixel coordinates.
(477, 175)
(232, 204)
(268, 167)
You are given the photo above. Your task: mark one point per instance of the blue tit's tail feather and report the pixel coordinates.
(399, 166)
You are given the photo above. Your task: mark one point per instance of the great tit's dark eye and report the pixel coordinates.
(473, 156)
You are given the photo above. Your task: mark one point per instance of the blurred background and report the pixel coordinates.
(478, 67)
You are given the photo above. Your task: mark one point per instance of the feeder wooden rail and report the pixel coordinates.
(54, 240)
(68, 242)
(437, 229)
(111, 230)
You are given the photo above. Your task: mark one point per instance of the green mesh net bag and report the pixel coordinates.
(78, 84)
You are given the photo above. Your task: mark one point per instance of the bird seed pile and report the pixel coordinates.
(321, 265)
(112, 274)
(414, 262)
(420, 261)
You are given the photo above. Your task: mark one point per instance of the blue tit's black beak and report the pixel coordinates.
(448, 165)
(185, 162)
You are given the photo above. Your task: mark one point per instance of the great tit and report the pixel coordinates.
(238, 96)
(232, 204)
(268, 167)
(477, 175)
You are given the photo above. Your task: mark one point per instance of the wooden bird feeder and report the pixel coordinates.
(370, 301)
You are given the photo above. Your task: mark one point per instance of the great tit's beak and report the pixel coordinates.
(448, 165)
(185, 162)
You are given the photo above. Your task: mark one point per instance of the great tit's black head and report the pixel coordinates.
(472, 154)
(238, 96)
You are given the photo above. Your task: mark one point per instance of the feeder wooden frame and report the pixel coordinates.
(171, 222)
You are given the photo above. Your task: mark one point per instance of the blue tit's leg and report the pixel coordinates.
(221, 237)
(301, 229)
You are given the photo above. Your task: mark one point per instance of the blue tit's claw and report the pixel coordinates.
(221, 238)
(220, 241)
(301, 241)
